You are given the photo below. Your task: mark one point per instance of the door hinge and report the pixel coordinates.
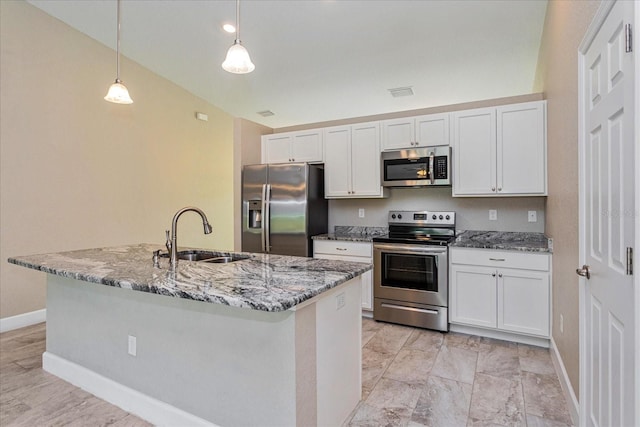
(629, 261)
(627, 38)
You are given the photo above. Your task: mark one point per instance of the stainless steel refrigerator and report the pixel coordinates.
(283, 205)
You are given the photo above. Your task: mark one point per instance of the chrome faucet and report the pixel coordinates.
(172, 242)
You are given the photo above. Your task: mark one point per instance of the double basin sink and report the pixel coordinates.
(208, 256)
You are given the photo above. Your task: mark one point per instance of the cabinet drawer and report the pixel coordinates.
(499, 259)
(337, 247)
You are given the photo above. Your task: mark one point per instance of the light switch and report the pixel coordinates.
(493, 215)
(361, 213)
(533, 217)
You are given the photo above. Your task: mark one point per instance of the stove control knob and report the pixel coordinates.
(393, 216)
(448, 217)
(434, 217)
(399, 216)
(441, 217)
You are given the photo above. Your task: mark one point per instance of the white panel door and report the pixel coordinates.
(474, 152)
(365, 159)
(472, 299)
(337, 162)
(398, 133)
(521, 149)
(276, 148)
(432, 129)
(523, 302)
(608, 374)
(306, 146)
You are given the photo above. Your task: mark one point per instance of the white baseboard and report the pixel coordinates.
(148, 408)
(499, 335)
(22, 320)
(570, 396)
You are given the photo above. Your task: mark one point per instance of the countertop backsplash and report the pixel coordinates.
(472, 213)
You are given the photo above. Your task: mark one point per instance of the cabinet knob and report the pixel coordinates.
(499, 188)
(493, 274)
(493, 188)
(500, 275)
(293, 160)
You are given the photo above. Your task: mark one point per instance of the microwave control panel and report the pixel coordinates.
(440, 169)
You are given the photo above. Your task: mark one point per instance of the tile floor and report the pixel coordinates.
(411, 377)
(416, 377)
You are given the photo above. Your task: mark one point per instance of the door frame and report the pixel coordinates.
(597, 22)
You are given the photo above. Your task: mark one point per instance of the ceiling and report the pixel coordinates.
(320, 60)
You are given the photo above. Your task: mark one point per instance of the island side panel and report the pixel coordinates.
(339, 352)
(227, 365)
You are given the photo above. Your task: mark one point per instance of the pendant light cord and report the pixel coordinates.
(118, 43)
(237, 20)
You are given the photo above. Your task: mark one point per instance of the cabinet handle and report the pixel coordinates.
(341, 249)
(496, 259)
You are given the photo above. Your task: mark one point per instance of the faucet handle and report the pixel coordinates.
(168, 242)
(156, 258)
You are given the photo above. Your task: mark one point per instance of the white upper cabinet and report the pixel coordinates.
(500, 151)
(352, 161)
(412, 132)
(300, 146)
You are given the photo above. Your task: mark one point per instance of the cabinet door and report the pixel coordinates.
(398, 133)
(276, 148)
(432, 130)
(472, 299)
(474, 152)
(522, 149)
(337, 162)
(365, 159)
(523, 302)
(306, 146)
(367, 290)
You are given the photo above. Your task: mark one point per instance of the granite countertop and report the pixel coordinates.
(353, 233)
(260, 282)
(503, 240)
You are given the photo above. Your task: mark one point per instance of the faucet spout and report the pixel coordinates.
(173, 246)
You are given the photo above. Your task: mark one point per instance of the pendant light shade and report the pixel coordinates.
(118, 93)
(238, 60)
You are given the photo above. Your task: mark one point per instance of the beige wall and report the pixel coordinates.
(79, 172)
(557, 75)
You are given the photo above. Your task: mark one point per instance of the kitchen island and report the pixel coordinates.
(266, 340)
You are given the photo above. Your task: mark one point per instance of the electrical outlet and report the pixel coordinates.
(340, 300)
(132, 345)
(562, 324)
(361, 213)
(533, 216)
(493, 215)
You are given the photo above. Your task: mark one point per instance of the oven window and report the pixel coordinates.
(406, 170)
(419, 272)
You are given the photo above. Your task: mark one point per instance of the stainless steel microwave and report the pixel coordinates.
(417, 167)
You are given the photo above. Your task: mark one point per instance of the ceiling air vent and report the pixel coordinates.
(266, 113)
(401, 91)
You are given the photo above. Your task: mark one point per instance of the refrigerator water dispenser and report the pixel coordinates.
(255, 214)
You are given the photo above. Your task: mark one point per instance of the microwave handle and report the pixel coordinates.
(431, 171)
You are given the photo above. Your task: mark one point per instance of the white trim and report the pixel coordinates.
(596, 23)
(22, 320)
(146, 407)
(569, 395)
(499, 335)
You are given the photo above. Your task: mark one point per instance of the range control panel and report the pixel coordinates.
(422, 218)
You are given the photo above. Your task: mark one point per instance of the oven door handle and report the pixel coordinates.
(410, 249)
(405, 308)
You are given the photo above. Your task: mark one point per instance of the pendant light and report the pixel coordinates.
(118, 93)
(237, 60)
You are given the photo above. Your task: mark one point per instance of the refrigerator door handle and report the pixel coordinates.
(263, 199)
(266, 218)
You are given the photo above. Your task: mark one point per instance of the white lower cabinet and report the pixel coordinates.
(352, 252)
(500, 290)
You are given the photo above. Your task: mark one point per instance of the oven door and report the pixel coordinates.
(411, 273)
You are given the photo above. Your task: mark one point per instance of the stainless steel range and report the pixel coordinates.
(410, 269)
